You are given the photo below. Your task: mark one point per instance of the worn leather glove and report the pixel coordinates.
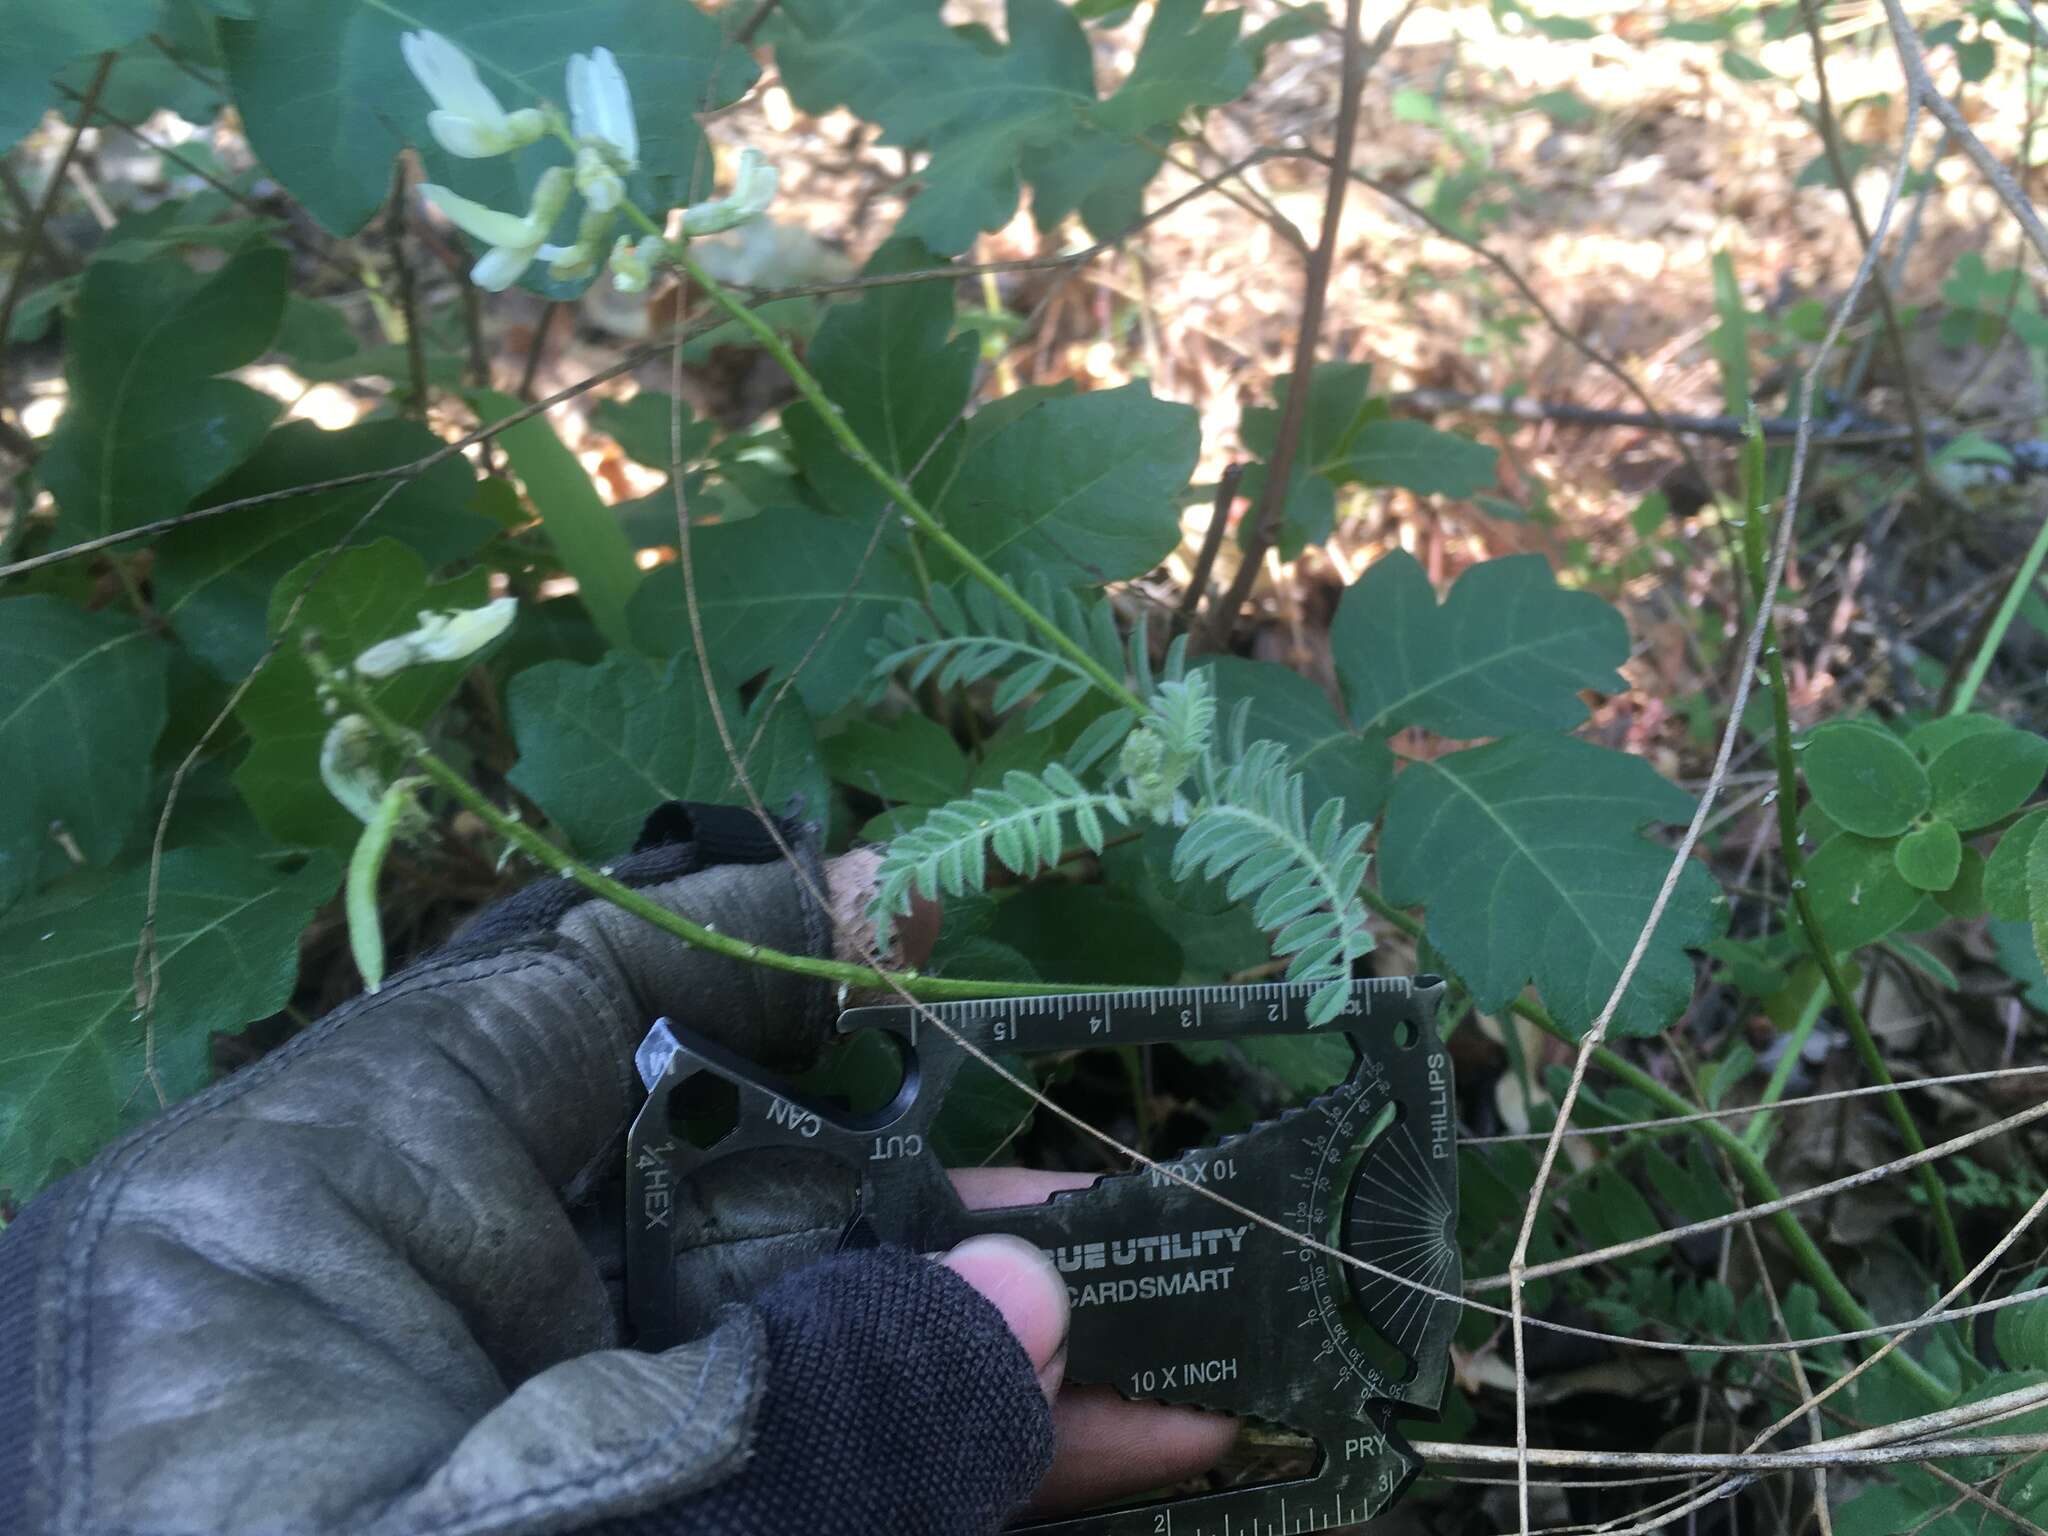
(369, 1284)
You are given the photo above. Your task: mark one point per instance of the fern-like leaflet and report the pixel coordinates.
(1302, 876)
(1022, 822)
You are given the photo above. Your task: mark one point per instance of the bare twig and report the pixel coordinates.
(536, 348)
(408, 304)
(1265, 529)
(1212, 541)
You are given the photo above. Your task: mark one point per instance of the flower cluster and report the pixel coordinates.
(601, 133)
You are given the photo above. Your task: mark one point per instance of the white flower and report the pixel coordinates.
(468, 121)
(514, 241)
(753, 189)
(633, 265)
(571, 261)
(600, 106)
(602, 187)
(446, 636)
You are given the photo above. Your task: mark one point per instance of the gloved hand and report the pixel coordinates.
(370, 1283)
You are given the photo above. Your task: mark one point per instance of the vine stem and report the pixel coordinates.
(1994, 637)
(1748, 1166)
(1756, 509)
(339, 683)
(835, 422)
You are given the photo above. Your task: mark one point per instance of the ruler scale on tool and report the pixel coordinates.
(1176, 1297)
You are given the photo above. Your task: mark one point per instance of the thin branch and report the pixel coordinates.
(1265, 528)
(88, 103)
(1823, 1455)
(408, 303)
(537, 347)
(1212, 542)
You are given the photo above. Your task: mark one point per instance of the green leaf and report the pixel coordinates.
(1084, 933)
(2021, 1333)
(1188, 59)
(1334, 761)
(2037, 897)
(583, 530)
(38, 39)
(1607, 1209)
(1527, 857)
(784, 589)
(1340, 402)
(2020, 958)
(642, 428)
(900, 384)
(1508, 650)
(1082, 487)
(1417, 457)
(71, 1060)
(1729, 340)
(911, 759)
(149, 426)
(81, 705)
(1930, 857)
(328, 102)
(316, 333)
(1983, 777)
(979, 106)
(1864, 778)
(214, 579)
(2005, 872)
(360, 596)
(600, 747)
(1965, 896)
(1933, 737)
(1858, 894)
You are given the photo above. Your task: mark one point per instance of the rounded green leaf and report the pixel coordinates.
(2005, 872)
(1965, 896)
(1865, 779)
(1858, 894)
(1934, 737)
(1929, 857)
(1987, 775)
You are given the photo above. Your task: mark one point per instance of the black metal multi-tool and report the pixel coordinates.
(1177, 1296)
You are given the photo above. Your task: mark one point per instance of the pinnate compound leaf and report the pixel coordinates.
(600, 747)
(81, 705)
(215, 579)
(1082, 487)
(1334, 761)
(2005, 872)
(71, 1059)
(1987, 775)
(1929, 858)
(332, 146)
(1527, 857)
(1022, 823)
(1864, 779)
(359, 597)
(1508, 650)
(787, 588)
(149, 425)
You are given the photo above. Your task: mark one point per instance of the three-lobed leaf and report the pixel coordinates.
(72, 1059)
(1507, 650)
(82, 700)
(601, 746)
(1527, 856)
(149, 425)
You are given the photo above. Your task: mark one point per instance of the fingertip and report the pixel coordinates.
(1021, 1283)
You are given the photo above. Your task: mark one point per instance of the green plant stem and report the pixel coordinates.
(835, 422)
(1748, 1166)
(1795, 871)
(342, 686)
(1758, 1132)
(1994, 637)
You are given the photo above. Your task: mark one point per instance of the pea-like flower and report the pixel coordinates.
(448, 636)
(467, 120)
(601, 122)
(514, 241)
(633, 265)
(753, 189)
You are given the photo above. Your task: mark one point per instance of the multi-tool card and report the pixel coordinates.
(1178, 1296)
